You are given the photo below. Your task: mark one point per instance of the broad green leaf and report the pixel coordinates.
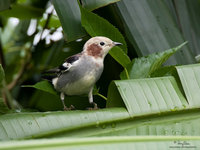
(4, 4)
(94, 4)
(190, 80)
(69, 14)
(170, 5)
(150, 28)
(97, 26)
(121, 57)
(143, 67)
(22, 12)
(104, 122)
(188, 15)
(44, 86)
(32, 125)
(168, 71)
(147, 96)
(178, 123)
(164, 71)
(2, 74)
(108, 143)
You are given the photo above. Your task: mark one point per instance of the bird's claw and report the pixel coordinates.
(94, 108)
(68, 109)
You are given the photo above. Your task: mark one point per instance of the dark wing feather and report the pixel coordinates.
(49, 77)
(73, 58)
(62, 68)
(51, 71)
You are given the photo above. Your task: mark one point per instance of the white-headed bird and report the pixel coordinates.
(79, 73)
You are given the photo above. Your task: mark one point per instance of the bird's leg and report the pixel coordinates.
(62, 97)
(90, 97)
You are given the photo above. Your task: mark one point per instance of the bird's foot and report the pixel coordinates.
(95, 107)
(68, 109)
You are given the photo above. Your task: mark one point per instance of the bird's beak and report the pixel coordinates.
(117, 43)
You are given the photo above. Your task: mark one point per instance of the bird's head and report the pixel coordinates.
(99, 46)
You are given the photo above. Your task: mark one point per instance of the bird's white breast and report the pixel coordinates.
(81, 77)
(81, 86)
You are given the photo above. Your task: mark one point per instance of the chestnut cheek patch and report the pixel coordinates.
(94, 50)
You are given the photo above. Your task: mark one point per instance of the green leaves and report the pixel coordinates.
(157, 95)
(34, 125)
(94, 4)
(150, 27)
(22, 12)
(44, 86)
(148, 96)
(104, 122)
(143, 67)
(119, 55)
(70, 18)
(189, 18)
(190, 79)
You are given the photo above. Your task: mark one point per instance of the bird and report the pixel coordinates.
(79, 73)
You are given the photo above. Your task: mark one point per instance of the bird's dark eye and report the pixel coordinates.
(102, 43)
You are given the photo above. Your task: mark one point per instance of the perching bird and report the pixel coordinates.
(79, 73)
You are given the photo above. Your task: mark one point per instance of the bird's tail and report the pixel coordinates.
(50, 74)
(49, 77)
(52, 71)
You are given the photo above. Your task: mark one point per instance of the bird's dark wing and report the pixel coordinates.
(62, 68)
(73, 58)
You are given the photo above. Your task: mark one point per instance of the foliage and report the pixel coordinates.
(31, 12)
(189, 76)
(43, 85)
(155, 100)
(143, 67)
(94, 4)
(150, 27)
(68, 11)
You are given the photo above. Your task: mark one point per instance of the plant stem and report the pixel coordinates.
(8, 97)
(127, 75)
(2, 60)
(102, 96)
